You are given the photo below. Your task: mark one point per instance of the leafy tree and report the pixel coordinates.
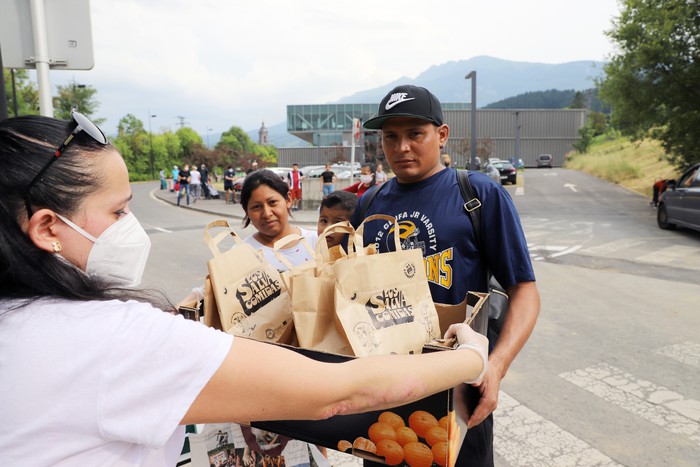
(27, 93)
(553, 99)
(599, 123)
(73, 96)
(189, 140)
(235, 147)
(584, 144)
(652, 79)
(133, 144)
(579, 101)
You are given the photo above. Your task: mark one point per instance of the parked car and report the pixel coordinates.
(544, 160)
(679, 205)
(281, 171)
(509, 174)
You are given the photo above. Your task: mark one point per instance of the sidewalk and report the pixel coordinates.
(218, 207)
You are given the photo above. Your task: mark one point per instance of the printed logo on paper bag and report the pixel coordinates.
(389, 308)
(256, 291)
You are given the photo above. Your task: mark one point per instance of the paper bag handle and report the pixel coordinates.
(322, 250)
(359, 233)
(286, 240)
(213, 243)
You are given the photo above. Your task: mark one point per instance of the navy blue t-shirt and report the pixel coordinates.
(431, 217)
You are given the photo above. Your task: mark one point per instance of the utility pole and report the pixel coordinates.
(182, 121)
(472, 119)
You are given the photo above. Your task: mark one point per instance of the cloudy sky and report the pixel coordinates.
(220, 63)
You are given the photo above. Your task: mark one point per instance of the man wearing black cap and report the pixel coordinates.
(426, 200)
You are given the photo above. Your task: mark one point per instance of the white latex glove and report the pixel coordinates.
(470, 339)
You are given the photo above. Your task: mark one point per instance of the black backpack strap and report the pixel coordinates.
(471, 204)
(367, 199)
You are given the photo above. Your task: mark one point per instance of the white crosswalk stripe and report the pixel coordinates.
(612, 247)
(686, 352)
(524, 438)
(669, 255)
(657, 404)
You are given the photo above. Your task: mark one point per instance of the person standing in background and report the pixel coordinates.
(195, 183)
(163, 182)
(327, 181)
(365, 183)
(229, 179)
(183, 177)
(204, 172)
(446, 160)
(253, 167)
(379, 175)
(294, 178)
(173, 181)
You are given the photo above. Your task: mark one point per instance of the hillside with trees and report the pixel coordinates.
(554, 99)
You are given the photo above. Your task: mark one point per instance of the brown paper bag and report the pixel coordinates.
(313, 298)
(210, 311)
(248, 290)
(382, 301)
(292, 269)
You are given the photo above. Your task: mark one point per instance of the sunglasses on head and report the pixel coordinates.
(82, 124)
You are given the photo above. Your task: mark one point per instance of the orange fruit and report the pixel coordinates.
(435, 434)
(365, 445)
(446, 420)
(379, 431)
(418, 454)
(391, 451)
(405, 435)
(440, 453)
(392, 419)
(420, 421)
(344, 445)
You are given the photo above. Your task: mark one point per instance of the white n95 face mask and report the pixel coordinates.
(119, 254)
(365, 178)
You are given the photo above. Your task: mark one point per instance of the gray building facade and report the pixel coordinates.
(500, 133)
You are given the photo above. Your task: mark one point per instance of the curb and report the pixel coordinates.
(234, 215)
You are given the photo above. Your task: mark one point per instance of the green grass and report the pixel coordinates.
(634, 165)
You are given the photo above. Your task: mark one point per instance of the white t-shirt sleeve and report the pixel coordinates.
(157, 366)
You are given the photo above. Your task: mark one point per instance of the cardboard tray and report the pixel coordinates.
(330, 432)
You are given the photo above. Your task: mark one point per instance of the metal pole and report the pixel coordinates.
(3, 94)
(517, 136)
(150, 140)
(41, 56)
(472, 119)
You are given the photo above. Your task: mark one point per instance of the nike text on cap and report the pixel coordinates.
(407, 101)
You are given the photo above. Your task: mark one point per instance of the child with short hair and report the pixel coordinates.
(336, 207)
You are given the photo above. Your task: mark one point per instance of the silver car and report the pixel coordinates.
(679, 205)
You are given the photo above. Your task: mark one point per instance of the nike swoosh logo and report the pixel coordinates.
(390, 105)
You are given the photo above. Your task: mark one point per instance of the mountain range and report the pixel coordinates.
(496, 79)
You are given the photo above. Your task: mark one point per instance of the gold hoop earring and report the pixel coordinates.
(56, 246)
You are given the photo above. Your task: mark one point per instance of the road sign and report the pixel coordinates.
(68, 33)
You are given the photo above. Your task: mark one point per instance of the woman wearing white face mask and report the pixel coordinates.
(366, 181)
(98, 369)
